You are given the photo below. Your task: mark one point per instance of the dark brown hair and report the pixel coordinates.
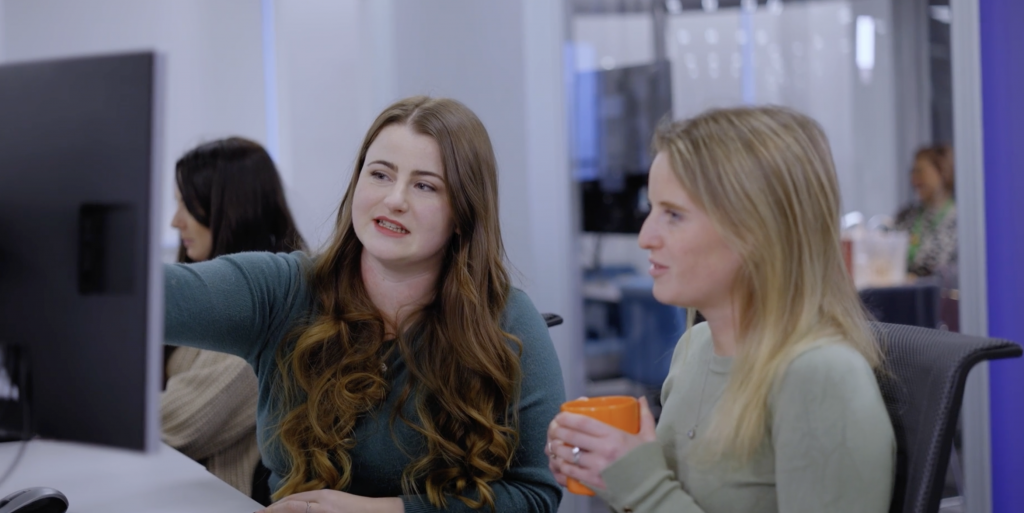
(231, 186)
(463, 370)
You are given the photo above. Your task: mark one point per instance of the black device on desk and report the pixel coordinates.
(34, 500)
(81, 288)
(616, 113)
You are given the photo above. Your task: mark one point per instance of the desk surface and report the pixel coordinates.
(104, 480)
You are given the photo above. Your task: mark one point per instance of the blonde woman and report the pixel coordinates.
(772, 404)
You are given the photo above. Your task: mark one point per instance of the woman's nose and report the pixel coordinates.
(396, 199)
(649, 238)
(176, 221)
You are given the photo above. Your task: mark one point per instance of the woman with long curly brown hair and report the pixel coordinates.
(399, 370)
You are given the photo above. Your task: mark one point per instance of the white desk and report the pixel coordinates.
(104, 480)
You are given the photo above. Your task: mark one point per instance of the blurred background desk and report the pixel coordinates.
(630, 336)
(922, 304)
(103, 480)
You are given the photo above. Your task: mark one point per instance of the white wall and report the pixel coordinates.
(2, 31)
(324, 105)
(212, 55)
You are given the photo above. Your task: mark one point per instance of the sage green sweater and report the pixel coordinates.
(245, 304)
(830, 446)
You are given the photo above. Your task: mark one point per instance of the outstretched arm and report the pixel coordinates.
(237, 304)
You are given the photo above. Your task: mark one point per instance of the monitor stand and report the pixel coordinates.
(14, 397)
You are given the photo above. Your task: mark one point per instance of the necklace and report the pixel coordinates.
(700, 404)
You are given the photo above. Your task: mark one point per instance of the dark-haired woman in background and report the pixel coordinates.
(230, 200)
(931, 222)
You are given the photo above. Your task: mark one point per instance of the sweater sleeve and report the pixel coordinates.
(209, 406)
(528, 484)
(238, 304)
(641, 480)
(834, 445)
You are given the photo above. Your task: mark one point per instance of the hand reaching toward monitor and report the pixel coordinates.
(581, 447)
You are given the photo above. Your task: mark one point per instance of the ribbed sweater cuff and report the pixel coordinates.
(633, 476)
(415, 504)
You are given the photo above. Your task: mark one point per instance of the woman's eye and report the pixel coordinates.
(424, 186)
(674, 216)
(378, 175)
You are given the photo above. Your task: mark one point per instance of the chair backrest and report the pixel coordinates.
(913, 305)
(922, 383)
(552, 319)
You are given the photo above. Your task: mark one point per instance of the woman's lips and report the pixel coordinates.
(656, 269)
(390, 227)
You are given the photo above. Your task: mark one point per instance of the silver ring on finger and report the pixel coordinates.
(575, 455)
(307, 506)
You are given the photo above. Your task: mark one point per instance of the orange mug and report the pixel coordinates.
(619, 411)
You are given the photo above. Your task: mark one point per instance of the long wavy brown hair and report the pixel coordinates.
(464, 370)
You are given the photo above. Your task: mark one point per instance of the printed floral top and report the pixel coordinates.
(933, 246)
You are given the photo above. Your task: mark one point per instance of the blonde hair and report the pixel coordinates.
(766, 179)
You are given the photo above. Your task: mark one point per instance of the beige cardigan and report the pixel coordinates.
(209, 413)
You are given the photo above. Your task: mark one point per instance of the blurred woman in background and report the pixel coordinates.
(932, 221)
(230, 200)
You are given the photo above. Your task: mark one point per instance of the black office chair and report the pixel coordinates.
(913, 305)
(552, 319)
(922, 383)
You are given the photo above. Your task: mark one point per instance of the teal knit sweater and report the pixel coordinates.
(245, 304)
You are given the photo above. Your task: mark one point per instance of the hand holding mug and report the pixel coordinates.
(591, 434)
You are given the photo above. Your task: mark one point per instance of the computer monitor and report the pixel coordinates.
(81, 286)
(616, 113)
